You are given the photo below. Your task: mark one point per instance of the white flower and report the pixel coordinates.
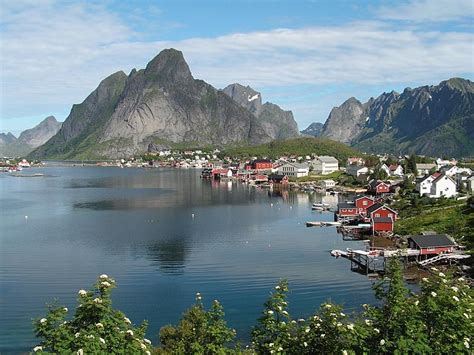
(344, 352)
(77, 335)
(376, 330)
(455, 289)
(130, 332)
(368, 322)
(37, 348)
(382, 342)
(455, 298)
(350, 326)
(105, 284)
(90, 336)
(293, 322)
(65, 309)
(43, 320)
(461, 279)
(285, 313)
(441, 274)
(270, 345)
(280, 308)
(97, 300)
(305, 344)
(147, 341)
(283, 323)
(444, 281)
(80, 352)
(323, 335)
(82, 293)
(466, 344)
(301, 320)
(328, 305)
(434, 269)
(417, 302)
(307, 330)
(424, 279)
(272, 351)
(99, 325)
(342, 314)
(434, 294)
(339, 324)
(143, 346)
(103, 276)
(466, 315)
(277, 287)
(147, 352)
(270, 312)
(280, 349)
(102, 340)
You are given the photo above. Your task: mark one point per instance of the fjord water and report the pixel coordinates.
(163, 234)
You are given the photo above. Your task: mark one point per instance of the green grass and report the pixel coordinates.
(296, 146)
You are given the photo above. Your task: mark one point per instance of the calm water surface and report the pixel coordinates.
(136, 225)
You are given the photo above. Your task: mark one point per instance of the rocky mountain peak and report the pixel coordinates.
(169, 66)
(246, 97)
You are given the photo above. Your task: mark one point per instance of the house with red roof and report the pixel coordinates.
(378, 187)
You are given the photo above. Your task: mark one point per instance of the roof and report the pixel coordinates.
(374, 183)
(393, 167)
(298, 165)
(358, 197)
(425, 166)
(432, 240)
(442, 176)
(374, 207)
(327, 159)
(383, 220)
(261, 161)
(345, 205)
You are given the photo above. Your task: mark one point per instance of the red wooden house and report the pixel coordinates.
(363, 202)
(347, 210)
(382, 224)
(378, 187)
(378, 210)
(431, 244)
(262, 164)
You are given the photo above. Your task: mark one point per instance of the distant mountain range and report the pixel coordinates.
(162, 105)
(29, 139)
(314, 129)
(428, 120)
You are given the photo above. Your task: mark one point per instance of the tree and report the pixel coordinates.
(95, 327)
(198, 332)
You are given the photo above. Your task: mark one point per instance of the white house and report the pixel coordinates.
(424, 169)
(328, 184)
(356, 170)
(294, 169)
(385, 168)
(470, 184)
(452, 170)
(325, 165)
(423, 186)
(442, 162)
(395, 170)
(443, 186)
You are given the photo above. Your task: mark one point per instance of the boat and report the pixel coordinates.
(316, 208)
(337, 253)
(323, 204)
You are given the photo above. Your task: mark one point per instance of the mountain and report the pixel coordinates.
(29, 139)
(157, 106)
(429, 120)
(314, 129)
(277, 123)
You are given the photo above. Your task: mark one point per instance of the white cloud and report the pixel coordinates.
(55, 55)
(429, 10)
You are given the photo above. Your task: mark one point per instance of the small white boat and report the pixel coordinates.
(317, 208)
(337, 253)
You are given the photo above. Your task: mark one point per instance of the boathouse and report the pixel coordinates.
(431, 244)
(278, 179)
(345, 209)
(382, 224)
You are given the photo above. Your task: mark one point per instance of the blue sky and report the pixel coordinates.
(306, 56)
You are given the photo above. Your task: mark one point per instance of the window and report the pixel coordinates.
(365, 202)
(377, 215)
(390, 215)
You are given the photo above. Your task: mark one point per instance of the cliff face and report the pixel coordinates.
(277, 123)
(162, 104)
(429, 120)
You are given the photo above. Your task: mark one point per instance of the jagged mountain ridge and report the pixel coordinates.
(428, 120)
(277, 123)
(161, 104)
(313, 130)
(29, 139)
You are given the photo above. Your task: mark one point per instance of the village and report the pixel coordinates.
(371, 213)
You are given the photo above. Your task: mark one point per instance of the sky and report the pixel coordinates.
(305, 56)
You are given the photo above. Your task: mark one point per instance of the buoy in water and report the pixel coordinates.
(26, 217)
(192, 215)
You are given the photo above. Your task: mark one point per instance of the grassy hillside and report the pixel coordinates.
(296, 146)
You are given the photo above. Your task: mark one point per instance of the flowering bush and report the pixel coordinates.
(95, 327)
(198, 332)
